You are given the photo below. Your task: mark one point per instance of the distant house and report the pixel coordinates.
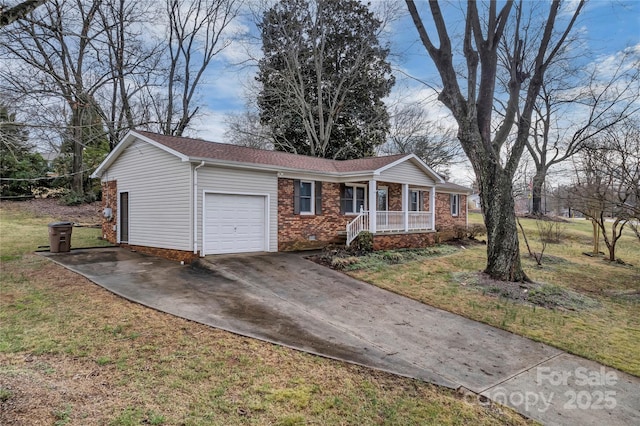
(182, 198)
(474, 201)
(50, 157)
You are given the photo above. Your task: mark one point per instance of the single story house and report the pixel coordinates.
(182, 198)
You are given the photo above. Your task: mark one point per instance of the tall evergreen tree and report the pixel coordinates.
(20, 168)
(324, 74)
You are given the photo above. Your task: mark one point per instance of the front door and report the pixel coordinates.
(124, 217)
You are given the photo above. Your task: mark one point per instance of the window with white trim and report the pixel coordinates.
(306, 197)
(383, 199)
(415, 201)
(455, 204)
(353, 198)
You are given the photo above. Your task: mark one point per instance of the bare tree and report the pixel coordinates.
(78, 66)
(131, 59)
(196, 34)
(19, 11)
(245, 129)
(53, 50)
(473, 107)
(412, 132)
(607, 98)
(607, 189)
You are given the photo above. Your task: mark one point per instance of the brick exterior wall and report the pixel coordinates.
(294, 230)
(110, 199)
(445, 222)
(177, 255)
(395, 195)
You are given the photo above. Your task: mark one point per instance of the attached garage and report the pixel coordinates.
(235, 223)
(183, 198)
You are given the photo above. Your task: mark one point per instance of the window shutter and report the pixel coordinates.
(342, 196)
(318, 186)
(296, 196)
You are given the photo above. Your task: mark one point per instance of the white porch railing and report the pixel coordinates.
(390, 221)
(420, 220)
(357, 225)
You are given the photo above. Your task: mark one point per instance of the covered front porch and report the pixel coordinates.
(392, 208)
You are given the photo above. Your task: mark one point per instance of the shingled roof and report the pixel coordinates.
(205, 150)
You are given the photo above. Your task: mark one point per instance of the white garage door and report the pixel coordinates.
(234, 223)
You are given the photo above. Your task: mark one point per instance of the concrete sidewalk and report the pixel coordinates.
(288, 300)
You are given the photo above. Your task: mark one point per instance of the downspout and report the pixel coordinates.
(195, 207)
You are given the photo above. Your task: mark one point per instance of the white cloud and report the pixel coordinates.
(210, 125)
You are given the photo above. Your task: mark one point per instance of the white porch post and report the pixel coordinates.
(432, 205)
(405, 205)
(373, 204)
(466, 209)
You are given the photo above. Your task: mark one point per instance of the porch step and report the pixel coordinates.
(341, 238)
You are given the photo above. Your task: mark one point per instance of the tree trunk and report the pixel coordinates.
(536, 187)
(78, 150)
(19, 11)
(503, 247)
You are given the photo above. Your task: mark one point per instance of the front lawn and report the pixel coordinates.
(72, 353)
(598, 311)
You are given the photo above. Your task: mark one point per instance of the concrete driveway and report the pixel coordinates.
(288, 300)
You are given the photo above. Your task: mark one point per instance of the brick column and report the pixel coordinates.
(110, 200)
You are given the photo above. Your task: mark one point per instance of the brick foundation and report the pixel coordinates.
(178, 255)
(402, 240)
(110, 199)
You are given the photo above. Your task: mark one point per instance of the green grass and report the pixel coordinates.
(5, 395)
(120, 363)
(597, 314)
(23, 233)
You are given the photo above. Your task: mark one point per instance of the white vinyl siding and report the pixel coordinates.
(406, 172)
(159, 185)
(220, 180)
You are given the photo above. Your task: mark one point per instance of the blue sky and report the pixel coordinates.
(606, 26)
